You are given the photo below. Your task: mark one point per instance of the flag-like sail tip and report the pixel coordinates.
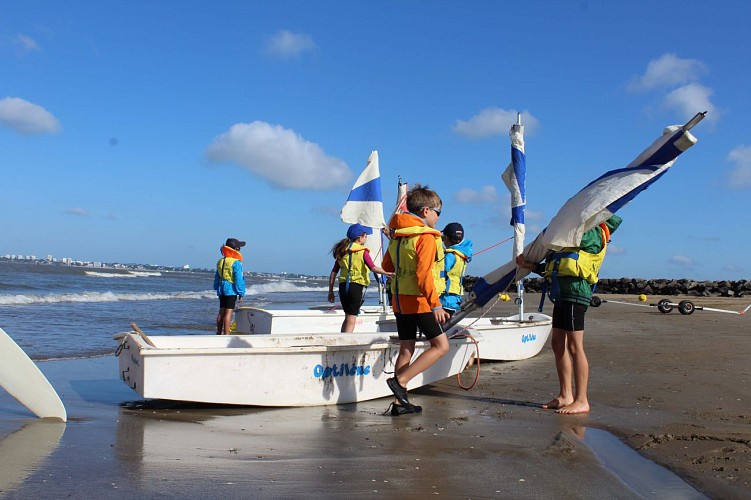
(365, 202)
(594, 204)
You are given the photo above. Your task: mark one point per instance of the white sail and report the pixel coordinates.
(594, 204)
(365, 206)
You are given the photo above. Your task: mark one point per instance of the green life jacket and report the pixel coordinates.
(573, 262)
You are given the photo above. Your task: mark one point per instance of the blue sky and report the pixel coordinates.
(151, 131)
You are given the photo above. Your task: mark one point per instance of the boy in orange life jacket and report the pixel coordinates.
(415, 254)
(229, 283)
(352, 257)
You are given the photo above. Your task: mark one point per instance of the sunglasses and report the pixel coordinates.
(437, 211)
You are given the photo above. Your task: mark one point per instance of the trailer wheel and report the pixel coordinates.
(686, 307)
(664, 306)
(595, 301)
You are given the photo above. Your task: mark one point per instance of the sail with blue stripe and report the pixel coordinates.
(594, 204)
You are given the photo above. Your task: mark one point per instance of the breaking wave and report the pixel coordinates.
(129, 274)
(60, 298)
(90, 297)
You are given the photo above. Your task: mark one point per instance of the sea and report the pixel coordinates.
(56, 311)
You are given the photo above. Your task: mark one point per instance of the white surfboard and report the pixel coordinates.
(23, 380)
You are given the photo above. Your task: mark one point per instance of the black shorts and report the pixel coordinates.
(407, 325)
(569, 316)
(351, 299)
(227, 301)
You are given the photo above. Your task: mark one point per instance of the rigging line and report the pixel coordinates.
(493, 246)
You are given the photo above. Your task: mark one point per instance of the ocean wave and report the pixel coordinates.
(91, 297)
(283, 287)
(129, 274)
(59, 298)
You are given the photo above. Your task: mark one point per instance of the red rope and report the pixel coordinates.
(477, 358)
(493, 246)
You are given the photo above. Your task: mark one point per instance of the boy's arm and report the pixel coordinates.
(237, 269)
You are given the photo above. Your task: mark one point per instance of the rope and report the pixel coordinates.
(460, 335)
(493, 246)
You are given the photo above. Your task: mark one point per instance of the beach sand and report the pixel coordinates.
(674, 387)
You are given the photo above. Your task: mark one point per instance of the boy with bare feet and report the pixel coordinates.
(569, 276)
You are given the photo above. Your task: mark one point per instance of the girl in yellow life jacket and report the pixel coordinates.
(353, 263)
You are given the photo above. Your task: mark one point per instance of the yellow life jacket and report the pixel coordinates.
(454, 275)
(224, 268)
(404, 256)
(576, 262)
(353, 266)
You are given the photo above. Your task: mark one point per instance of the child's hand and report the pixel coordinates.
(440, 315)
(331, 297)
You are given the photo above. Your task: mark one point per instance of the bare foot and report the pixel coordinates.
(576, 407)
(556, 403)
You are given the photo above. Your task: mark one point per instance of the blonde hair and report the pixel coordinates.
(420, 197)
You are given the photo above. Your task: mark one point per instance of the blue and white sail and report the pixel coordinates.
(365, 205)
(515, 179)
(594, 204)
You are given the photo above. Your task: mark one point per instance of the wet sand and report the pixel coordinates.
(673, 387)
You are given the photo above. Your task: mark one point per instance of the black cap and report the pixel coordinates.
(234, 243)
(454, 231)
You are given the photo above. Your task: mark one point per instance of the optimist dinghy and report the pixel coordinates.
(273, 370)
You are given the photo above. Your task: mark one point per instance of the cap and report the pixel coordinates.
(234, 243)
(454, 231)
(357, 230)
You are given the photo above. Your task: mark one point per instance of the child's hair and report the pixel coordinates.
(420, 197)
(339, 249)
(452, 241)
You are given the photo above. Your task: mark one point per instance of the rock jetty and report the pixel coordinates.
(638, 286)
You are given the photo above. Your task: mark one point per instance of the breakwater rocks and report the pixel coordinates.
(637, 286)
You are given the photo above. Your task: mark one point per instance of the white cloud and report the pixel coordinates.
(25, 117)
(26, 43)
(668, 70)
(279, 155)
(615, 249)
(77, 211)
(682, 261)
(740, 175)
(691, 99)
(286, 44)
(493, 122)
(486, 194)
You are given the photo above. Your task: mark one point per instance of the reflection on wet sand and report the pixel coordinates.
(640, 474)
(24, 450)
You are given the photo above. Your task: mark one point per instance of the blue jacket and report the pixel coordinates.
(452, 301)
(234, 287)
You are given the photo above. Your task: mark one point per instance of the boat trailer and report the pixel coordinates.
(665, 306)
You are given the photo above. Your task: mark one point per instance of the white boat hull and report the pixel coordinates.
(255, 320)
(274, 370)
(507, 338)
(503, 338)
